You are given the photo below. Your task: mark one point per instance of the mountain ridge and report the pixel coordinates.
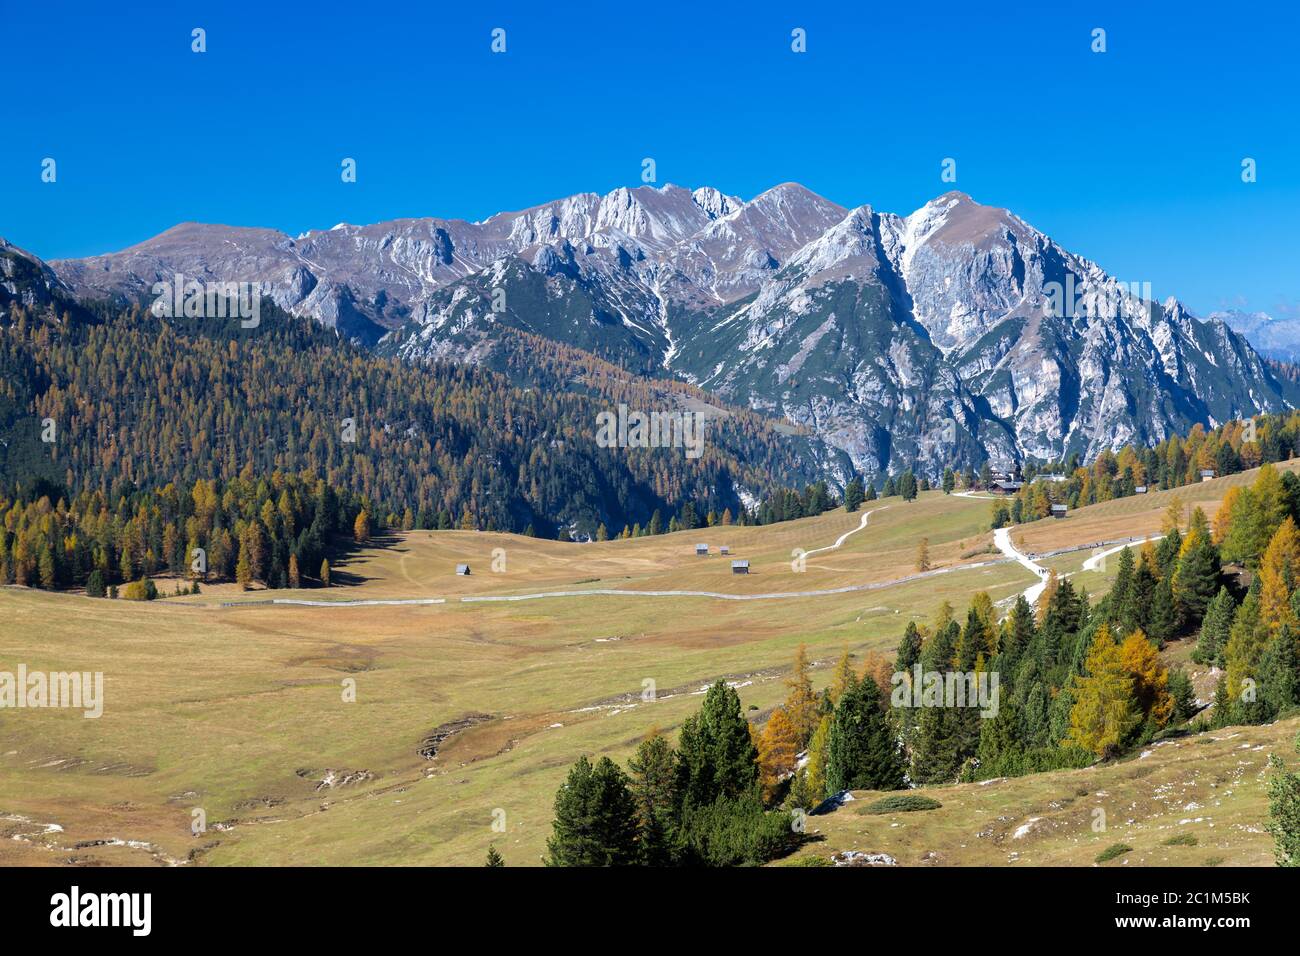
(939, 337)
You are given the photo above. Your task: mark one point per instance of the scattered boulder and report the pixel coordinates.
(861, 858)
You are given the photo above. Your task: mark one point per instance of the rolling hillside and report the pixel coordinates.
(468, 710)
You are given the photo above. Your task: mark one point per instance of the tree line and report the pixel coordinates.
(93, 399)
(276, 530)
(1179, 460)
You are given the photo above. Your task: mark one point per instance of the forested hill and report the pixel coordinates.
(127, 397)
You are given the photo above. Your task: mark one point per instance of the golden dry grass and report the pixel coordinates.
(239, 711)
(1210, 786)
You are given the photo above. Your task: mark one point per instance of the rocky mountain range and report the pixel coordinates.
(956, 334)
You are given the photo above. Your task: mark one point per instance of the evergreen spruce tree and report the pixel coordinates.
(595, 820)
(654, 788)
(1000, 747)
(1246, 642)
(1222, 714)
(95, 584)
(1183, 694)
(940, 652)
(937, 738)
(493, 857)
(1020, 632)
(1062, 617)
(853, 494)
(907, 485)
(1284, 811)
(862, 753)
(1216, 627)
(1167, 551)
(1279, 672)
(1137, 609)
(1196, 582)
(716, 754)
(909, 649)
(1163, 620)
(936, 751)
(973, 642)
(1121, 592)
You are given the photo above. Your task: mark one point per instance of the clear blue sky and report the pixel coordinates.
(1131, 157)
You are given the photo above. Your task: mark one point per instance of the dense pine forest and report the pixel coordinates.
(277, 531)
(93, 401)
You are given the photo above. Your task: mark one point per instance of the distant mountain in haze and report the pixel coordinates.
(1271, 336)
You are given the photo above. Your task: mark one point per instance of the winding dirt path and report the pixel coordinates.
(1002, 538)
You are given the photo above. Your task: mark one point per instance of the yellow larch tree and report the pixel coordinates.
(843, 678)
(1150, 678)
(1104, 711)
(1277, 577)
(778, 747)
(800, 701)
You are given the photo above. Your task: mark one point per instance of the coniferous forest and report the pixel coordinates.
(129, 441)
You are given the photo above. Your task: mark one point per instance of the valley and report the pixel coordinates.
(237, 709)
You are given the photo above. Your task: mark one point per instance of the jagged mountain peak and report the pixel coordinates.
(794, 202)
(850, 248)
(715, 202)
(871, 328)
(955, 218)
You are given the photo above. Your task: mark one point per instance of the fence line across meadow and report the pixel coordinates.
(615, 592)
(335, 603)
(1034, 556)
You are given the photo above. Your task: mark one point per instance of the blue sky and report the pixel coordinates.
(1131, 157)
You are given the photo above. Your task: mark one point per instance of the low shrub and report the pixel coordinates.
(1112, 851)
(142, 590)
(901, 803)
